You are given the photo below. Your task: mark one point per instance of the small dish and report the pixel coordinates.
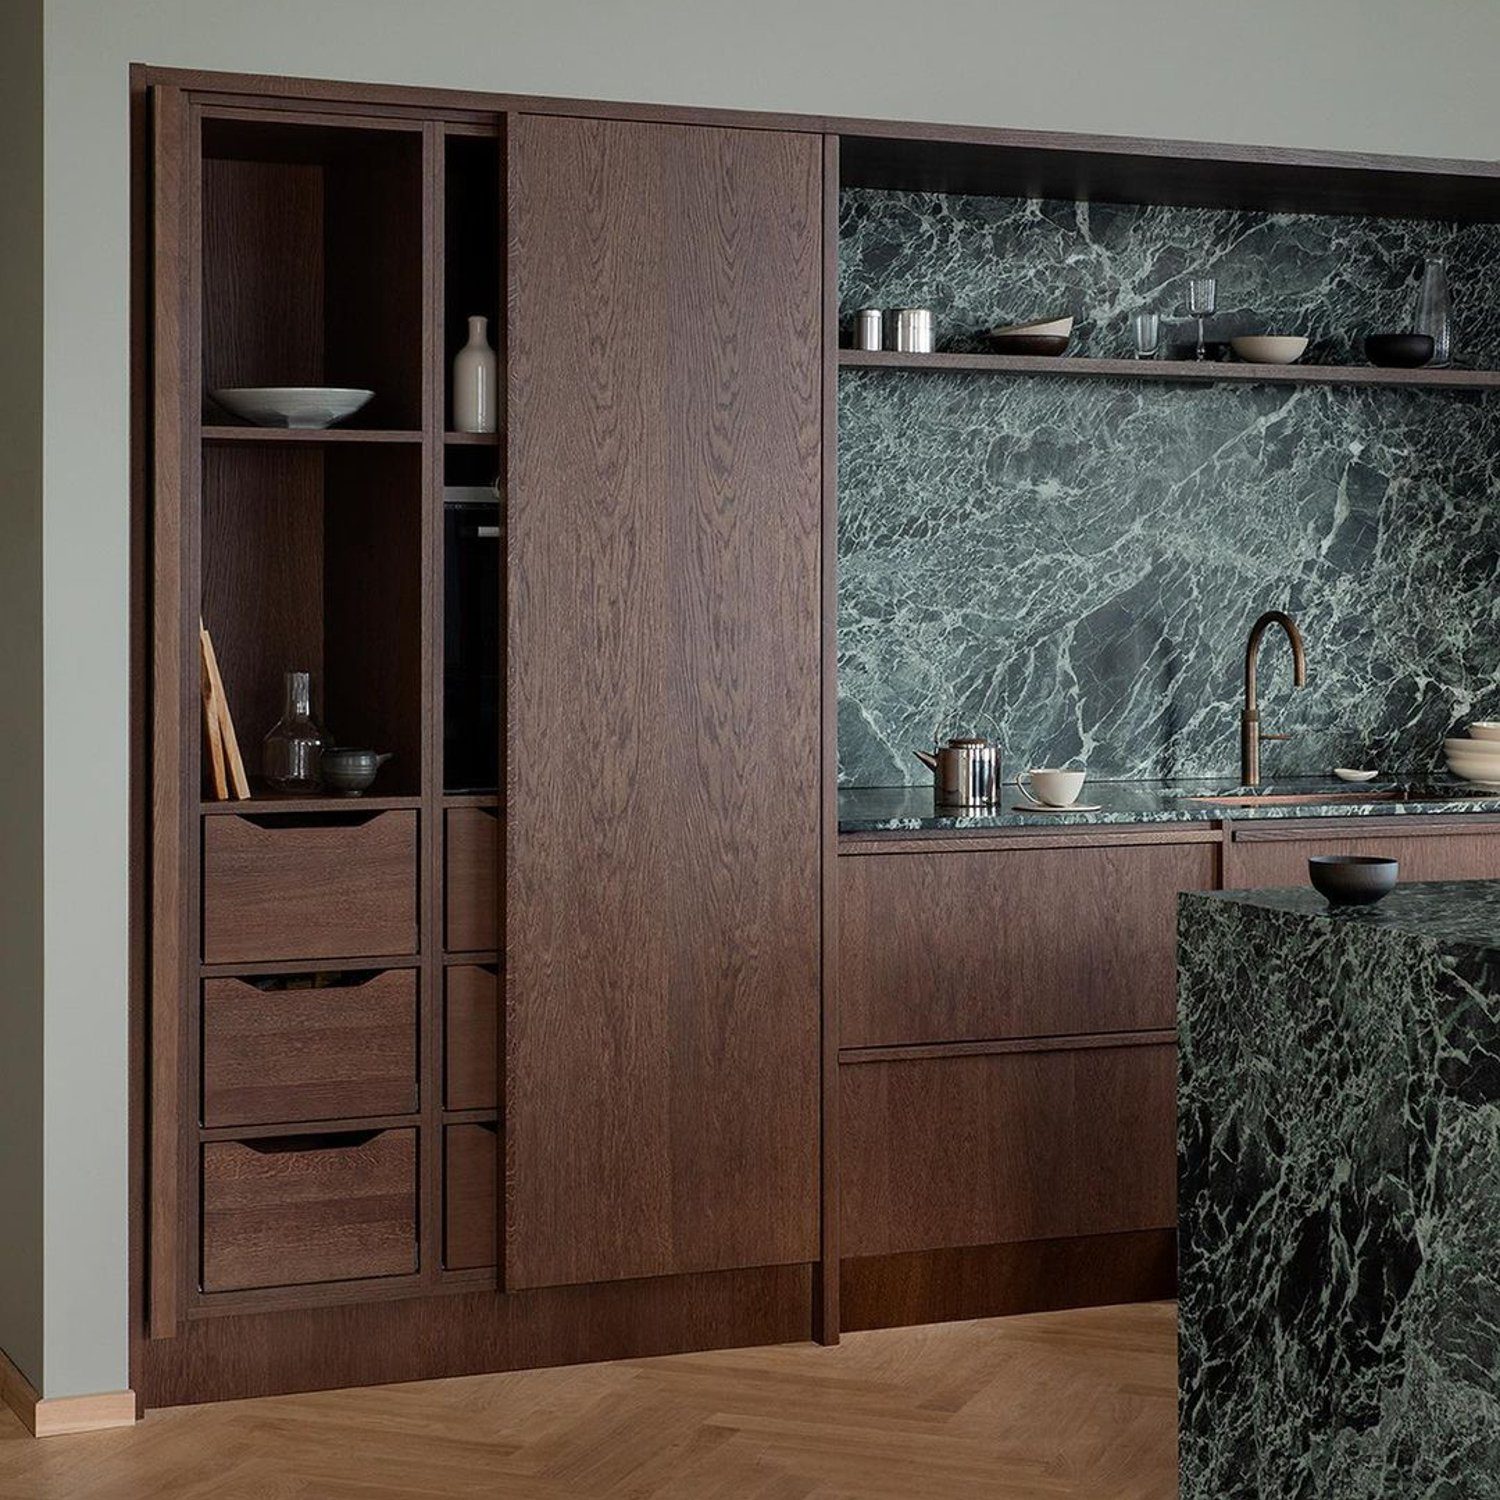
(1353, 879)
(1484, 729)
(300, 406)
(1028, 343)
(1047, 327)
(1269, 348)
(1031, 807)
(1398, 351)
(1348, 773)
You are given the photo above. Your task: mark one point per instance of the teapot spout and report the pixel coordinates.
(927, 758)
(380, 760)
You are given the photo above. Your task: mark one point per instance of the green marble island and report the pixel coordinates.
(1339, 1178)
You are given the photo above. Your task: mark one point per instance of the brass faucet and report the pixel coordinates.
(1250, 732)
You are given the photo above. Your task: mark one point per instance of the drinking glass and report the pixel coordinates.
(1147, 327)
(1203, 293)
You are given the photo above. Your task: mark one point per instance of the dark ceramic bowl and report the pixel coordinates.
(1398, 351)
(1028, 343)
(1353, 879)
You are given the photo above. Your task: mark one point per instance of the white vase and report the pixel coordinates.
(474, 379)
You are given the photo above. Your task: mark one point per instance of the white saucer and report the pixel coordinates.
(1072, 807)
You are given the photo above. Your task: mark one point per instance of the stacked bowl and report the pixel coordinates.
(1476, 758)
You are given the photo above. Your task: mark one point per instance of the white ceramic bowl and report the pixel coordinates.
(292, 405)
(1348, 773)
(1486, 750)
(1484, 729)
(1269, 348)
(1051, 328)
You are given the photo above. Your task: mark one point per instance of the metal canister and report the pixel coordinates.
(868, 326)
(913, 330)
(966, 772)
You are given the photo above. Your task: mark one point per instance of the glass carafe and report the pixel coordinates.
(293, 751)
(1432, 316)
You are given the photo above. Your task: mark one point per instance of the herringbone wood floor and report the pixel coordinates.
(1057, 1404)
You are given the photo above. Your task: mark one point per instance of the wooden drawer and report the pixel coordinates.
(309, 886)
(471, 864)
(294, 1209)
(470, 1155)
(975, 946)
(1276, 853)
(1020, 1145)
(471, 1037)
(340, 1049)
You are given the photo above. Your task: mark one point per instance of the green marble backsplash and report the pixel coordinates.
(1075, 564)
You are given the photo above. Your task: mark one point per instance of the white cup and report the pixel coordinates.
(1049, 787)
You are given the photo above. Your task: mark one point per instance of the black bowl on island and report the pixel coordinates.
(1399, 351)
(1353, 879)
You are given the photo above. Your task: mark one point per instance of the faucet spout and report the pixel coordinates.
(1250, 731)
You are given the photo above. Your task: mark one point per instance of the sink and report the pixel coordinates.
(1297, 799)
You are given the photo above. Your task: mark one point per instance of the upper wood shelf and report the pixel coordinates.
(1170, 369)
(264, 801)
(473, 439)
(227, 434)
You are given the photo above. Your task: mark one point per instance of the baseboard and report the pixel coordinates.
(994, 1281)
(54, 1416)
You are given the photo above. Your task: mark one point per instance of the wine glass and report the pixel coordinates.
(1203, 294)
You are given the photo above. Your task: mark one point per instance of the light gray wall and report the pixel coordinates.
(1382, 75)
(21, 687)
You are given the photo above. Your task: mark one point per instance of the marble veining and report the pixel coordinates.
(1339, 1195)
(1075, 565)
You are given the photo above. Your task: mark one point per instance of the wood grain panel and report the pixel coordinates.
(1041, 942)
(327, 1053)
(471, 1189)
(1460, 852)
(280, 1212)
(471, 863)
(1013, 1146)
(471, 1037)
(663, 879)
(999, 1281)
(323, 886)
(467, 1333)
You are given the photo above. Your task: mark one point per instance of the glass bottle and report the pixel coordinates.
(1432, 317)
(293, 750)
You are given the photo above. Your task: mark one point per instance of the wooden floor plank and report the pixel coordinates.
(1069, 1404)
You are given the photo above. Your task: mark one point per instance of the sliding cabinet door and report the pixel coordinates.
(662, 900)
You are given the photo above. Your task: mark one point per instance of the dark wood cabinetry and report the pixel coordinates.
(1276, 853)
(662, 930)
(1012, 942)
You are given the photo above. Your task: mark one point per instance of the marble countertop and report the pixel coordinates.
(910, 809)
(1451, 913)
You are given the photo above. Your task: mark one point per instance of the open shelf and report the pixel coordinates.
(312, 561)
(223, 433)
(472, 439)
(312, 264)
(1170, 370)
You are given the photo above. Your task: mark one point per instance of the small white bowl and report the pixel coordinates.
(1050, 328)
(1484, 729)
(292, 405)
(1269, 348)
(1347, 773)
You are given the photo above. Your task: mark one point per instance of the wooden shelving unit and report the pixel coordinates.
(1193, 371)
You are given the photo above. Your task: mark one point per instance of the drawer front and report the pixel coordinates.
(1266, 855)
(472, 867)
(309, 887)
(292, 1210)
(325, 1053)
(992, 944)
(470, 1154)
(991, 1149)
(471, 1037)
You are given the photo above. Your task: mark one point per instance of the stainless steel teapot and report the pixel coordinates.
(965, 771)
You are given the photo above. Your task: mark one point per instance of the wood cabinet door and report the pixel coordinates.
(1273, 853)
(663, 647)
(996, 943)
